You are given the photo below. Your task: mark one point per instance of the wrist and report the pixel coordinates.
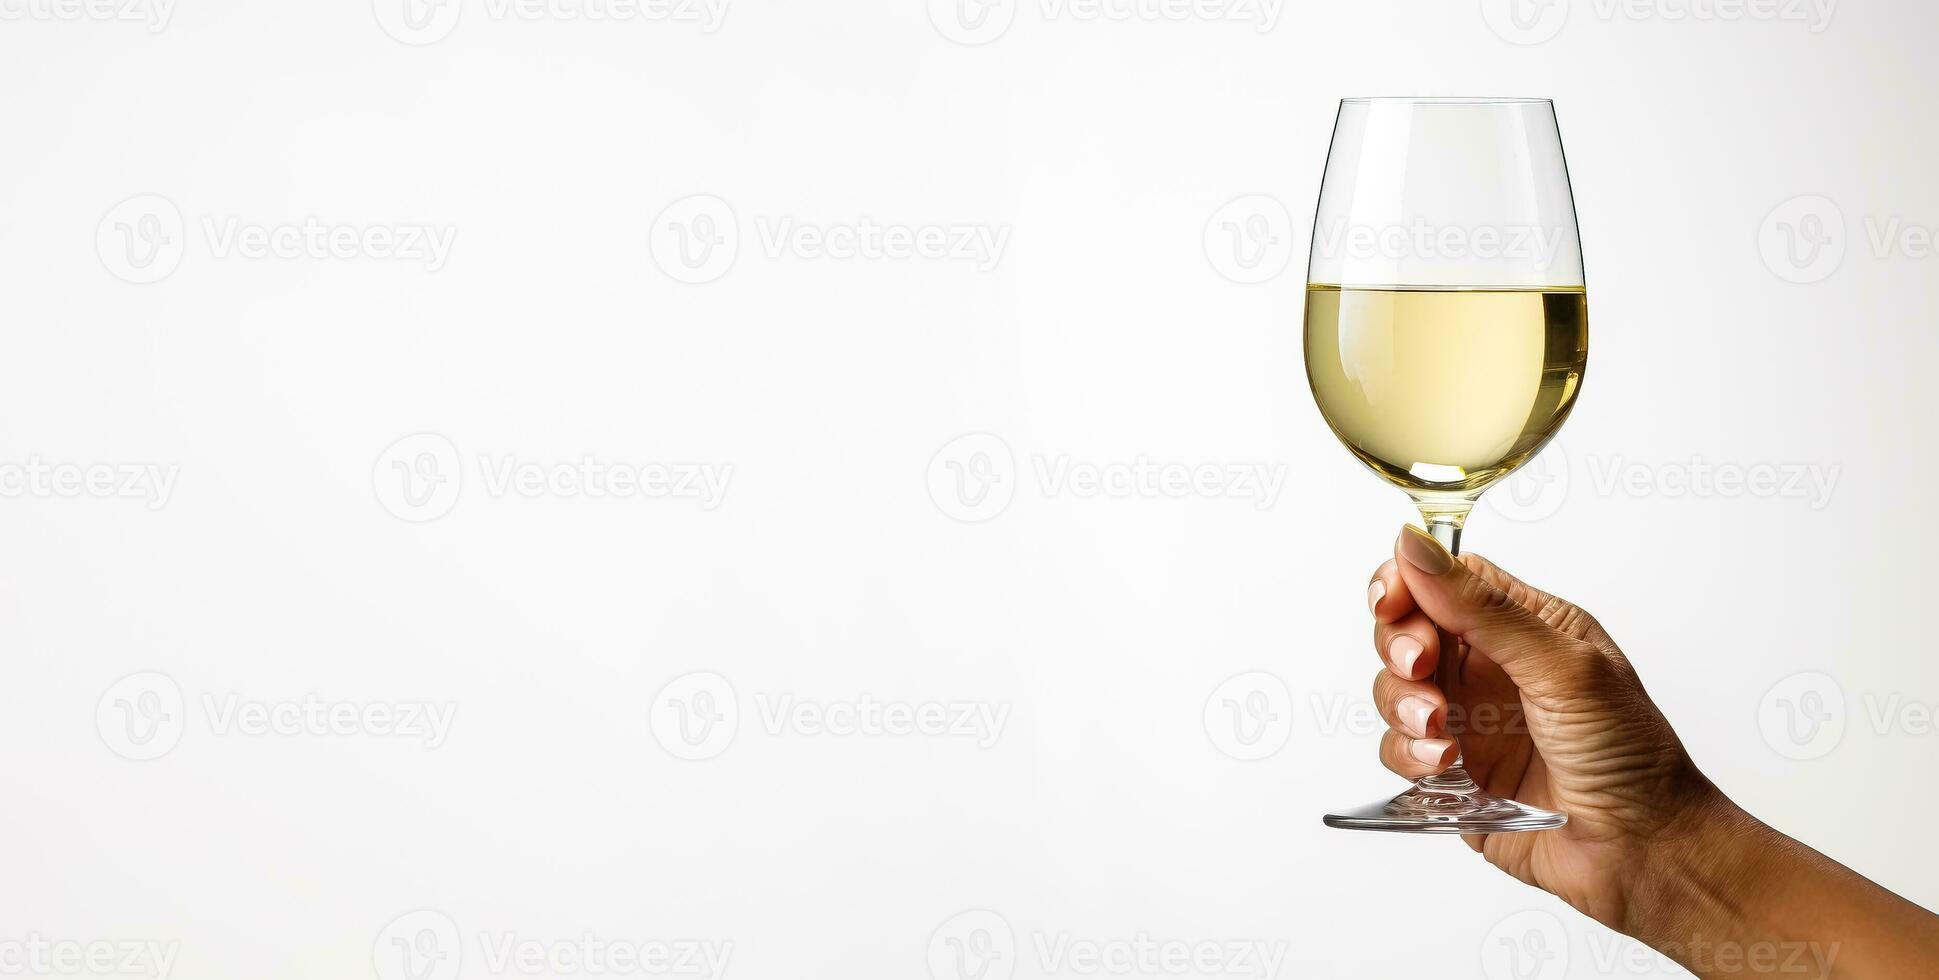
(1704, 875)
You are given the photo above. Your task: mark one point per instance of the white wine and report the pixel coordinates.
(1445, 391)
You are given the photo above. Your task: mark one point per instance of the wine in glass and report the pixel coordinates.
(1446, 335)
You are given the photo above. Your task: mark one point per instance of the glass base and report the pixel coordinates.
(1449, 803)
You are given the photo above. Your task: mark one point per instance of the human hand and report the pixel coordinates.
(1547, 711)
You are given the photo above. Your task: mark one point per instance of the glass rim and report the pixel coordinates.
(1443, 100)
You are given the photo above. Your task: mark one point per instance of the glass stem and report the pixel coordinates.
(1446, 530)
(1444, 521)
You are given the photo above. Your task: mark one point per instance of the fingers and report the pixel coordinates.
(1413, 708)
(1525, 595)
(1415, 757)
(1560, 614)
(1410, 645)
(1415, 711)
(1535, 656)
(1387, 596)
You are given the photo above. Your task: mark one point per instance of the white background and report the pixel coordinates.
(281, 563)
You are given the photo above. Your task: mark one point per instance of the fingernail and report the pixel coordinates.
(1403, 652)
(1423, 552)
(1430, 751)
(1376, 592)
(1415, 712)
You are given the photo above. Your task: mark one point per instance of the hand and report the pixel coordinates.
(1547, 711)
(1550, 713)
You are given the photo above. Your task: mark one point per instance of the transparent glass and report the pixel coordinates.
(1446, 338)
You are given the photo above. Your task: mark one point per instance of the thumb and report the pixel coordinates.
(1538, 658)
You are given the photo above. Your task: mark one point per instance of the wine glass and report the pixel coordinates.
(1446, 335)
